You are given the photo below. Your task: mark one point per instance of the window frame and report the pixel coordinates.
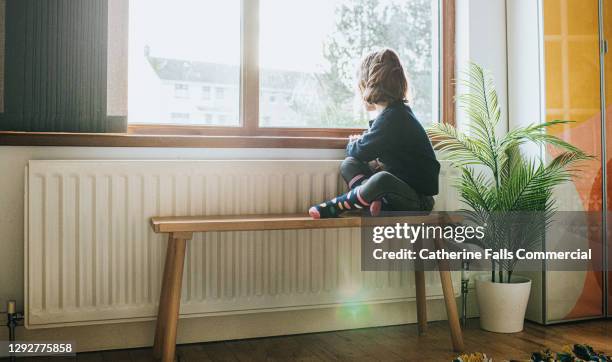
(249, 134)
(249, 86)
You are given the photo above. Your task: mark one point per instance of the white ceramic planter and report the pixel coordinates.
(502, 306)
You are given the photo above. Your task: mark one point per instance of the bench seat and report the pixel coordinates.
(172, 224)
(249, 223)
(180, 229)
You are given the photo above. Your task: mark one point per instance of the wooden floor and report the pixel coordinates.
(396, 343)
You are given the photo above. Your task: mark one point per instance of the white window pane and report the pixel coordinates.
(310, 51)
(180, 54)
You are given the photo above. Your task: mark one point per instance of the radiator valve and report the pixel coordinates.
(13, 319)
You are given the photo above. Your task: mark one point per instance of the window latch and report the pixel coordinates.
(604, 46)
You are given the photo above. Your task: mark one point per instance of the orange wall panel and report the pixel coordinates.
(571, 51)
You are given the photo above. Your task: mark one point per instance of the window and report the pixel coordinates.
(291, 70)
(195, 46)
(320, 72)
(181, 90)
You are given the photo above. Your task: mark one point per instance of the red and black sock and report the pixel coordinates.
(352, 200)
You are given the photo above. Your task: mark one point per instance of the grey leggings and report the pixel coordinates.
(399, 195)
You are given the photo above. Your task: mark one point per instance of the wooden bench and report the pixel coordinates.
(181, 229)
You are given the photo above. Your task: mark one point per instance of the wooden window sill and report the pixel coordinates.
(8, 138)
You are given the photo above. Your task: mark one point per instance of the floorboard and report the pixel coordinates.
(394, 343)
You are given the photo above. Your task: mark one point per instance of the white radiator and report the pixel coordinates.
(91, 256)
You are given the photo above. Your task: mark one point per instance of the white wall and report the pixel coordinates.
(481, 38)
(526, 98)
(504, 36)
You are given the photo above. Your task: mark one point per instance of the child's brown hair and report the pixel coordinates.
(382, 78)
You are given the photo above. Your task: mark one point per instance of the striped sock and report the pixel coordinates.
(357, 181)
(376, 205)
(352, 200)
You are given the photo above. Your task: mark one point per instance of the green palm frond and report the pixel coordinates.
(498, 184)
(530, 184)
(536, 133)
(458, 148)
(481, 105)
(509, 160)
(476, 191)
(480, 102)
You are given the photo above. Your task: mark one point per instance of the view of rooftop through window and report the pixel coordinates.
(186, 59)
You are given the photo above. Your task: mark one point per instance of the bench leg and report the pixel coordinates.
(163, 298)
(451, 304)
(421, 301)
(170, 298)
(419, 281)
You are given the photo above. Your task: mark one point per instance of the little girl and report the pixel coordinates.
(392, 164)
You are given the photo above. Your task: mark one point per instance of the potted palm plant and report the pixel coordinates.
(499, 185)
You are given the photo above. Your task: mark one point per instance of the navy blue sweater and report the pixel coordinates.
(399, 142)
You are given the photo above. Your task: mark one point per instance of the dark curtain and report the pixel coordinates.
(55, 67)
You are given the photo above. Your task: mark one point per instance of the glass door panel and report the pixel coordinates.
(572, 66)
(607, 27)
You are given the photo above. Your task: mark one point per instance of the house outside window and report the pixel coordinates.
(181, 91)
(206, 93)
(178, 116)
(219, 93)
